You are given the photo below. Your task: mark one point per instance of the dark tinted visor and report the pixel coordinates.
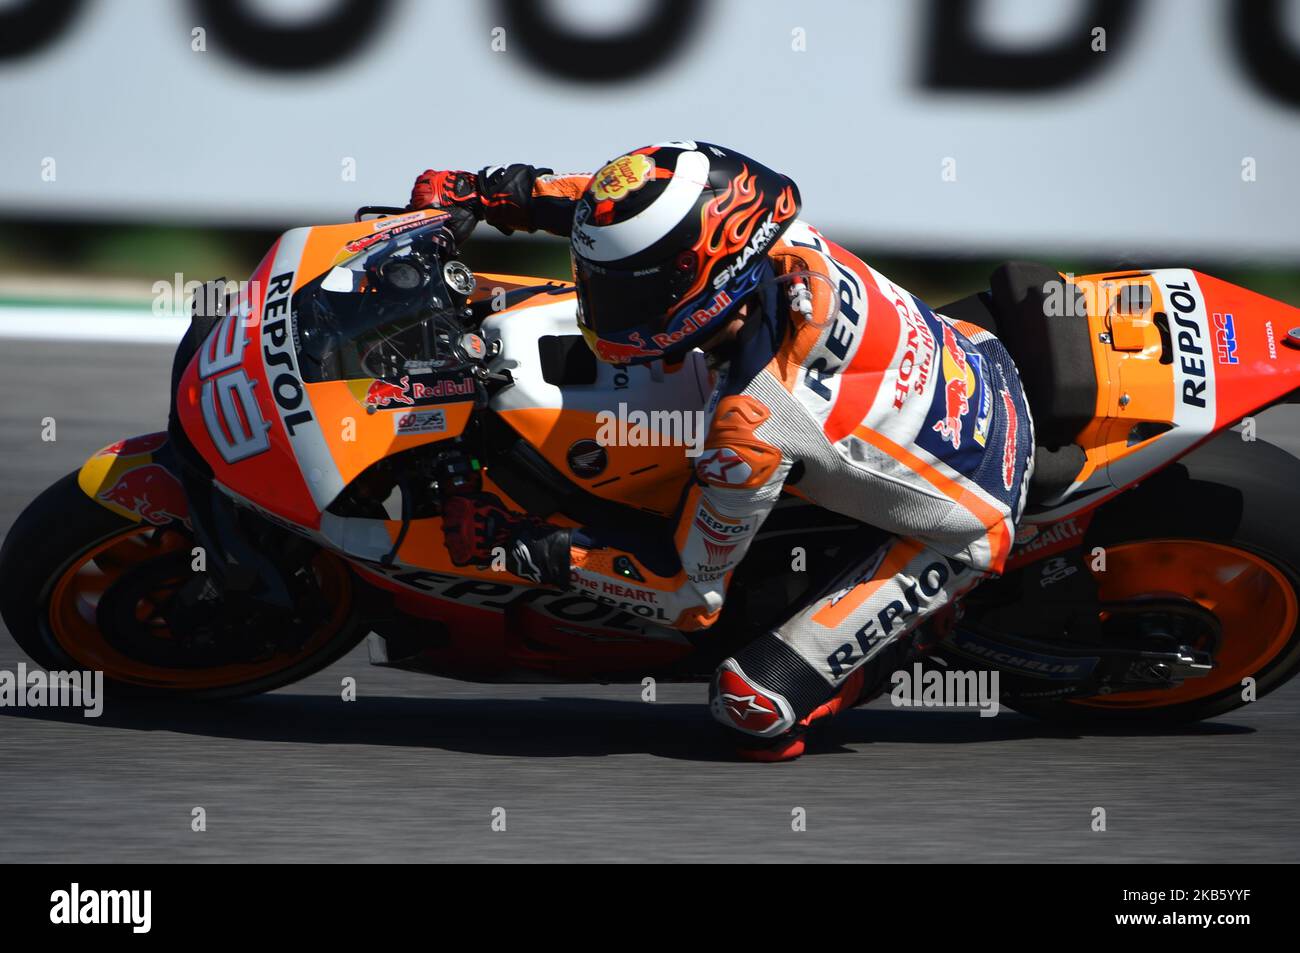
(613, 301)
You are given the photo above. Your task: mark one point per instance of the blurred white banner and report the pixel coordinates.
(948, 125)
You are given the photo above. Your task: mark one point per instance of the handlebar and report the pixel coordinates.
(378, 210)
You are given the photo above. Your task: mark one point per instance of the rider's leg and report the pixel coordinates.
(826, 656)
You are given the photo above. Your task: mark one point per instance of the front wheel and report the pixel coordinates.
(87, 589)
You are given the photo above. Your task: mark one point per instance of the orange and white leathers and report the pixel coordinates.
(884, 412)
(895, 416)
(870, 405)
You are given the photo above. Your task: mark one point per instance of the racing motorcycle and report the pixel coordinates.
(323, 413)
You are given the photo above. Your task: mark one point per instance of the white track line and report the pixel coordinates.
(51, 323)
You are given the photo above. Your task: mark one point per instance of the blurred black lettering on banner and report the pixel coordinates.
(1259, 26)
(968, 126)
(29, 26)
(957, 59)
(555, 49)
(320, 43)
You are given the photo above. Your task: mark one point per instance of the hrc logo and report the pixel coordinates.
(1225, 338)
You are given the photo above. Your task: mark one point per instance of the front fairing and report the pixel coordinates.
(286, 444)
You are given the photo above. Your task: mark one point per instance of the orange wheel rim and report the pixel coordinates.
(75, 599)
(1253, 600)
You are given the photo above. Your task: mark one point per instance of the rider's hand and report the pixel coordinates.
(446, 189)
(473, 524)
(478, 530)
(452, 191)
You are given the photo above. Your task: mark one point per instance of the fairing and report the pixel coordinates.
(1194, 356)
(634, 419)
(285, 444)
(1179, 356)
(136, 478)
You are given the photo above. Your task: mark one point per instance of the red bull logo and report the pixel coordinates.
(697, 321)
(152, 492)
(382, 393)
(131, 446)
(1009, 448)
(614, 353)
(443, 388)
(958, 389)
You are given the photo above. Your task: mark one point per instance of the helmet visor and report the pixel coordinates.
(613, 301)
(639, 332)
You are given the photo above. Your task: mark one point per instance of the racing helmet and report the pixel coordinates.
(668, 241)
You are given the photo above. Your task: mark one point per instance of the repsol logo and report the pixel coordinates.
(604, 612)
(844, 331)
(1189, 341)
(277, 349)
(893, 619)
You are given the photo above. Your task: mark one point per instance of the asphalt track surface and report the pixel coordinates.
(413, 769)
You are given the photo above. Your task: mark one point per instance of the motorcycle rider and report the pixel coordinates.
(832, 381)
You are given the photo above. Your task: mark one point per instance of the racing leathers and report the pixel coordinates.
(848, 391)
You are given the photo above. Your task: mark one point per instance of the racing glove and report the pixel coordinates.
(506, 196)
(502, 196)
(452, 191)
(477, 528)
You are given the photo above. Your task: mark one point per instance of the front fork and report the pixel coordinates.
(146, 480)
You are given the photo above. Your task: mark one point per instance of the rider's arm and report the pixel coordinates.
(526, 198)
(512, 198)
(683, 582)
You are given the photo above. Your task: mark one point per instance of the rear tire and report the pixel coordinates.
(53, 536)
(1232, 493)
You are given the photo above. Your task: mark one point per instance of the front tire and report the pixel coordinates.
(65, 554)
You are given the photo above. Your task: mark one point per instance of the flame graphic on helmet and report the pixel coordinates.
(785, 205)
(727, 222)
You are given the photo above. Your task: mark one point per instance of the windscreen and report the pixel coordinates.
(385, 312)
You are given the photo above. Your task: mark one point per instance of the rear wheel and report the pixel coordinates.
(88, 589)
(1214, 532)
